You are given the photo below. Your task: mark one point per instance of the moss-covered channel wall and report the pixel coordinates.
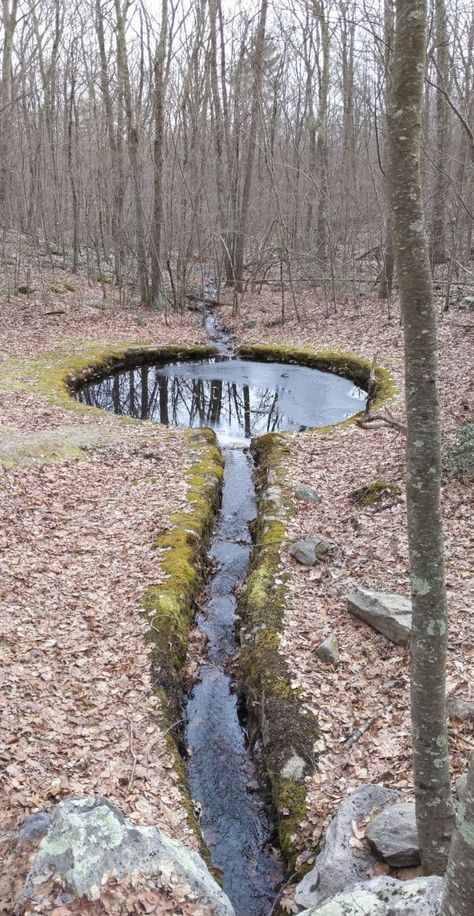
(281, 728)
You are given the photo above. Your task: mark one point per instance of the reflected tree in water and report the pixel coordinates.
(148, 394)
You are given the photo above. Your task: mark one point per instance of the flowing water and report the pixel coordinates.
(238, 399)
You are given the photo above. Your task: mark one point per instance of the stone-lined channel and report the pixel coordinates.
(238, 399)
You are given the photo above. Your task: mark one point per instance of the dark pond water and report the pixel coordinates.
(239, 399)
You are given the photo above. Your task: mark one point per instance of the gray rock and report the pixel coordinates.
(385, 897)
(393, 835)
(90, 836)
(34, 827)
(328, 651)
(460, 708)
(340, 865)
(309, 550)
(389, 614)
(308, 494)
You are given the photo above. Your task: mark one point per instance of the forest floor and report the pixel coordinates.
(370, 684)
(77, 549)
(76, 545)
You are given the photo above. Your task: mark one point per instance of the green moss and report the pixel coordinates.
(56, 374)
(291, 803)
(275, 709)
(168, 606)
(349, 365)
(374, 493)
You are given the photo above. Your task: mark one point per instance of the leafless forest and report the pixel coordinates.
(158, 147)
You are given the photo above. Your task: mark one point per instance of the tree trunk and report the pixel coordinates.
(241, 231)
(434, 810)
(438, 228)
(133, 145)
(322, 137)
(386, 280)
(458, 897)
(9, 14)
(158, 153)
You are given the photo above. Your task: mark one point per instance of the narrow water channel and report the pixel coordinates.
(238, 399)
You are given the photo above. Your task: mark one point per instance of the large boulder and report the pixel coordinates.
(388, 613)
(309, 550)
(393, 835)
(340, 864)
(385, 897)
(89, 838)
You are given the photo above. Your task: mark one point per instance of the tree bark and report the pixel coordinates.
(438, 229)
(458, 897)
(434, 810)
(158, 156)
(241, 231)
(386, 280)
(9, 16)
(133, 140)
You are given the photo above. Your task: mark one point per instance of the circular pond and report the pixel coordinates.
(237, 398)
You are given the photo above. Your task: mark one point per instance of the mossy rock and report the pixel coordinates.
(374, 493)
(276, 714)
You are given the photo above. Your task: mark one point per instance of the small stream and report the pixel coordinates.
(238, 399)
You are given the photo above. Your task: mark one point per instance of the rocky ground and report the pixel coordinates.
(368, 688)
(77, 554)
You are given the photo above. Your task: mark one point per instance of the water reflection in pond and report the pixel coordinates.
(240, 399)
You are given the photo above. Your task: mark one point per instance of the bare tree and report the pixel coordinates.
(158, 156)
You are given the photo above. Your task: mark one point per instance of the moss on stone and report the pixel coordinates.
(168, 606)
(276, 712)
(57, 374)
(349, 365)
(374, 493)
